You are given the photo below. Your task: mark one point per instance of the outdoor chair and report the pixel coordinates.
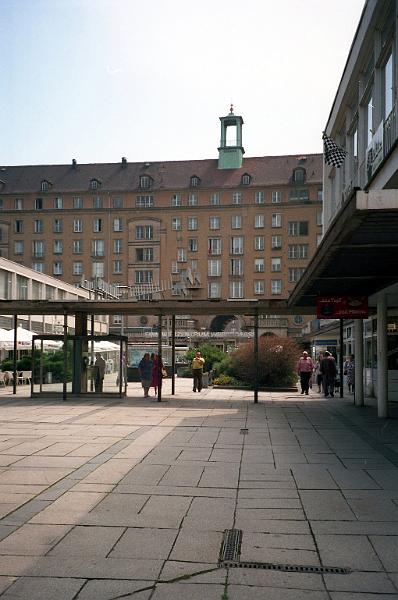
(24, 376)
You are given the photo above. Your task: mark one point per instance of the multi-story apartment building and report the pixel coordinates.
(229, 228)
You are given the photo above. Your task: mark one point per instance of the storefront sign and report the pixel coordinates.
(342, 307)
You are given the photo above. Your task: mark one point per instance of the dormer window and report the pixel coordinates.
(145, 182)
(94, 184)
(44, 185)
(298, 175)
(195, 181)
(246, 179)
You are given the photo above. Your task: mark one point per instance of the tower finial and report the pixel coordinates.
(231, 110)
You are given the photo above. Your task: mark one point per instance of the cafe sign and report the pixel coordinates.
(342, 307)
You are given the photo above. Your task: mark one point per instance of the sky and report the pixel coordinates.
(96, 80)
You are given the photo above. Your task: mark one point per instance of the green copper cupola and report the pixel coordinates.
(231, 151)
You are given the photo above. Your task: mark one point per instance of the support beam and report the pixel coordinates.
(14, 366)
(256, 371)
(173, 353)
(341, 358)
(159, 358)
(65, 378)
(358, 346)
(382, 371)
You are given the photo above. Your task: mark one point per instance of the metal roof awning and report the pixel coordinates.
(359, 253)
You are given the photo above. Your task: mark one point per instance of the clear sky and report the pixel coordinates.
(96, 80)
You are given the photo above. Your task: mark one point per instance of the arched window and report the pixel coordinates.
(195, 181)
(145, 182)
(44, 185)
(246, 179)
(299, 175)
(94, 184)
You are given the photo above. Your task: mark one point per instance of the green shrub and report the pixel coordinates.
(210, 353)
(226, 380)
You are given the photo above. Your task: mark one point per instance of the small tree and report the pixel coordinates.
(277, 359)
(210, 353)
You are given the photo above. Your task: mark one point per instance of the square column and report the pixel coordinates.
(382, 367)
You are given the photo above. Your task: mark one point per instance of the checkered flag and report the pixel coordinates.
(334, 155)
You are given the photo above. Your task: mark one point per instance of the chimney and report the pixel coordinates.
(124, 162)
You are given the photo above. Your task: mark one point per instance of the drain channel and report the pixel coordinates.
(230, 557)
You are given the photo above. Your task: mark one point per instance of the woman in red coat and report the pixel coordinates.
(157, 373)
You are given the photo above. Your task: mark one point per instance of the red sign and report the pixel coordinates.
(342, 307)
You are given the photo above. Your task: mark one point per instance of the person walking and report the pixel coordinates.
(350, 372)
(318, 374)
(157, 373)
(329, 372)
(145, 371)
(197, 371)
(305, 367)
(99, 372)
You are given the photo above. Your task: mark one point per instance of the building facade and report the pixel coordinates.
(206, 229)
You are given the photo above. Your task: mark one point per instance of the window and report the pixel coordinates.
(94, 184)
(236, 266)
(97, 202)
(77, 268)
(39, 267)
(236, 289)
(195, 181)
(259, 286)
(176, 224)
(22, 287)
(181, 255)
(236, 245)
(319, 218)
(58, 247)
(259, 242)
(44, 186)
(117, 246)
(276, 220)
(145, 182)
(117, 202)
(176, 200)
(298, 194)
(193, 244)
(38, 203)
(144, 254)
(175, 269)
(320, 195)
(214, 268)
(215, 199)
(143, 277)
(118, 224)
(259, 197)
(192, 223)
(77, 202)
(144, 201)
(276, 197)
(295, 274)
(98, 248)
(388, 89)
(192, 200)
(319, 237)
(57, 226)
(77, 246)
(38, 226)
(276, 242)
(77, 225)
(117, 319)
(18, 247)
(18, 204)
(144, 232)
(298, 251)
(97, 225)
(18, 226)
(57, 268)
(194, 265)
(38, 249)
(276, 264)
(246, 179)
(97, 269)
(214, 289)
(214, 246)
(117, 266)
(58, 203)
(259, 265)
(298, 228)
(298, 320)
(259, 221)
(236, 222)
(214, 223)
(299, 175)
(276, 286)
(237, 198)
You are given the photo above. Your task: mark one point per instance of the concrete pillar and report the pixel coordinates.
(358, 344)
(382, 372)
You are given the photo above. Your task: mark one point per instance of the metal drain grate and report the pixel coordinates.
(230, 547)
(244, 430)
(236, 564)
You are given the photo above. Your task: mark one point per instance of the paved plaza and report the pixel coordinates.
(104, 499)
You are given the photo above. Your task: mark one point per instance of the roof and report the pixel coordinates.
(168, 175)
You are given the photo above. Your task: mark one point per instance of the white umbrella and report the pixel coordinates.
(24, 339)
(105, 346)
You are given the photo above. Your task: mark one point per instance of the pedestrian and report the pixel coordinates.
(350, 372)
(197, 371)
(305, 367)
(345, 367)
(124, 371)
(329, 372)
(157, 373)
(99, 372)
(145, 371)
(317, 372)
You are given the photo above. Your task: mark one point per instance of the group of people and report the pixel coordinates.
(325, 372)
(151, 372)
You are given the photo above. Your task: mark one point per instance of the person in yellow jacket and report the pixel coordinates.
(197, 370)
